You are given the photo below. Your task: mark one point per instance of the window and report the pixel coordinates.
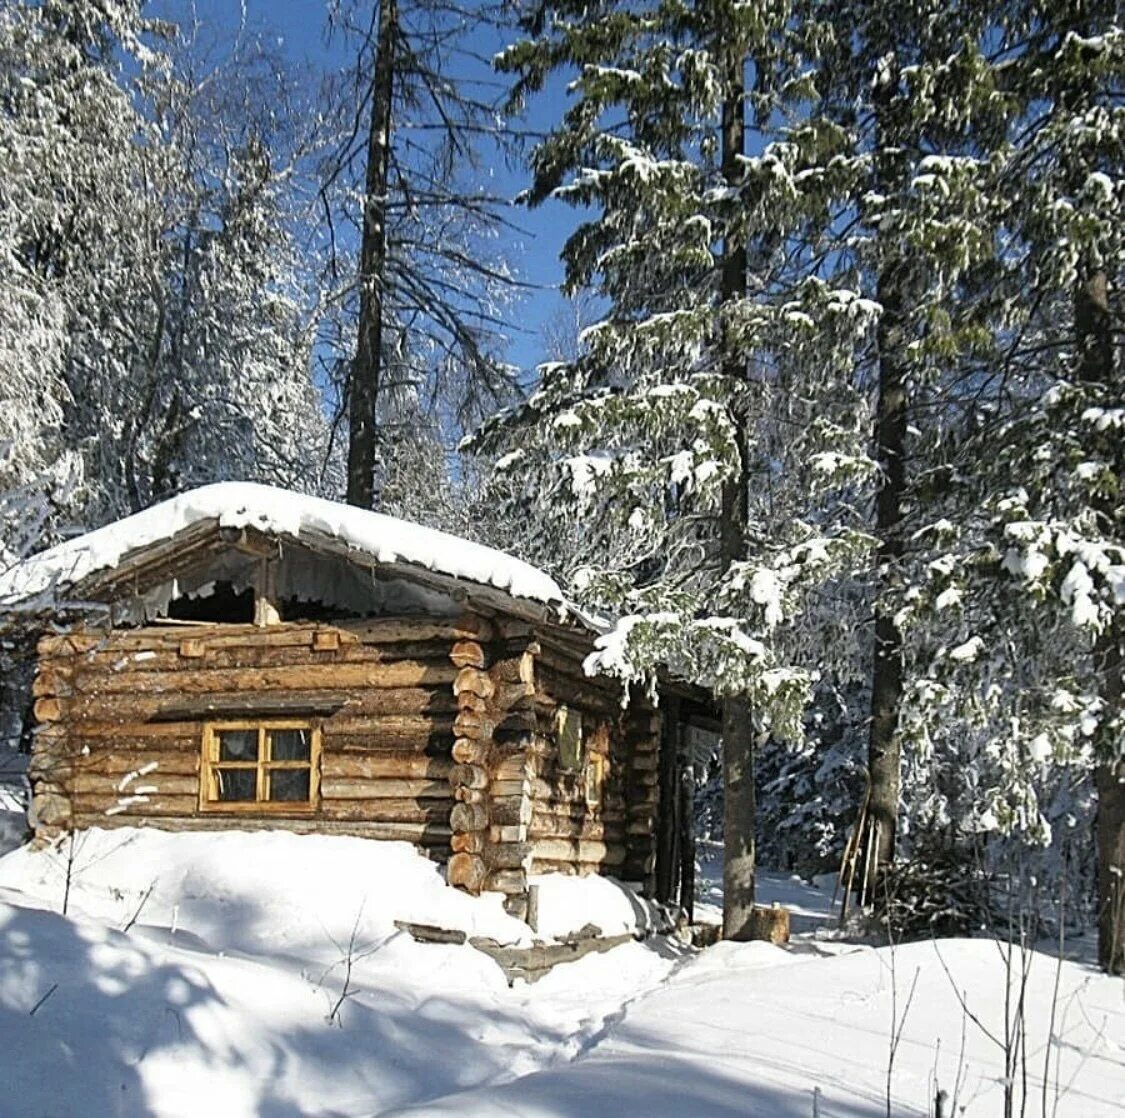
(595, 779)
(260, 766)
(568, 733)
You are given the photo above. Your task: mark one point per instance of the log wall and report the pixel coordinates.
(434, 732)
(568, 833)
(120, 723)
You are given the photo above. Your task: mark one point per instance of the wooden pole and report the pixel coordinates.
(666, 804)
(687, 828)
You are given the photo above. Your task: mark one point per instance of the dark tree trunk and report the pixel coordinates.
(739, 807)
(363, 388)
(883, 747)
(1093, 328)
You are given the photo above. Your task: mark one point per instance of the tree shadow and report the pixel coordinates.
(80, 1009)
(655, 1085)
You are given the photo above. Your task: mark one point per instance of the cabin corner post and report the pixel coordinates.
(51, 764)
(490, 777)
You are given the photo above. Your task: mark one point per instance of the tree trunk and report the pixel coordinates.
(739, 806)
(1093, 328)
(883, 747)
(363, 389)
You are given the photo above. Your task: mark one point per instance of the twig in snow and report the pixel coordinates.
(144, 900)
(35, 1007)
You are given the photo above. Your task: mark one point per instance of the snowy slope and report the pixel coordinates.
(199, 973)
(382, 539)
(751, 1030)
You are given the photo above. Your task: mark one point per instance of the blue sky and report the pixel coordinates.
(298, 28)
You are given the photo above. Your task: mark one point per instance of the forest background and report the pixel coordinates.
(830, 417)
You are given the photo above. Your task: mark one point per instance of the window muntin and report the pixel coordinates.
(269, 766)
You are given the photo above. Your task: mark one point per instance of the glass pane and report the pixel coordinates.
(237, 785)
(568, 727)
(238, 745)
(290, 745)
(289, 786)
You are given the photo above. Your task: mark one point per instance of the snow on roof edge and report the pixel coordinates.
(237, 504)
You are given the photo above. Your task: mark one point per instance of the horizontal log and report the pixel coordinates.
(467, 871)
(517, 833)
(466, 700)
(508, 855)
(467, 654)
(514, 669)
(50, 681)
(113, 786)
(466, 751)
(508, 787)
(551, 827)
(381, 765)
(468, 817)
(465, 795)
(383, 788)
(473, 680)
(110, 804)
(466, 627)
(470, 776)
(119, 760)
(468, 842)
(51, 809)
(310, 653)
(434, 836)
(379, 733)
(319, 676)
(609, 811)
(510, 810)
(511, 696)
(507, 881)
(121, 708)
(579, 850)
(47, 710)
(470, 724)
(515, 767)
(433, 810)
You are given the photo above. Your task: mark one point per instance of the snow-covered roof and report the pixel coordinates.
(281, 513)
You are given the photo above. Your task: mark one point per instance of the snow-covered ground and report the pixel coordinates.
(200, 974)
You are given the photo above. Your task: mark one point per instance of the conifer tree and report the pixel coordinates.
(657, 451)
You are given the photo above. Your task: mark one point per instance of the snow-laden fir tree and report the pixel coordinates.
(1018, 626)
(695, 461)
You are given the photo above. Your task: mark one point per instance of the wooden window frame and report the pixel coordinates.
(262, 766)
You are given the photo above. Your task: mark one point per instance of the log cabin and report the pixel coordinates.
(247, 657)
